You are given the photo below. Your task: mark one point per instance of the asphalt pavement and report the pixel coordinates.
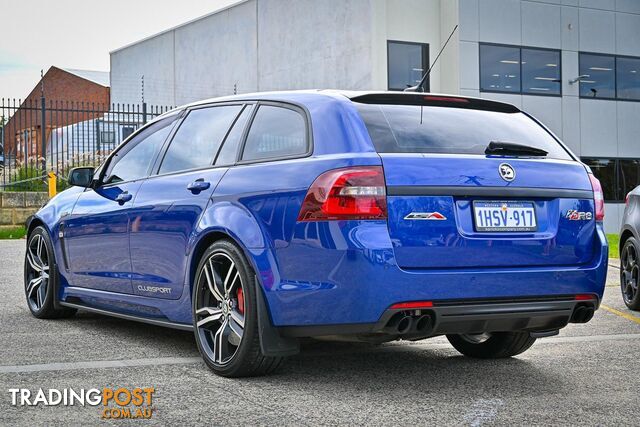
(588, 375)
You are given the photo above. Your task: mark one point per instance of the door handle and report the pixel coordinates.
(198, 185)
(123, 198)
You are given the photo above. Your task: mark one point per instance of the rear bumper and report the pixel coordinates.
(466, 318)
(348, 278)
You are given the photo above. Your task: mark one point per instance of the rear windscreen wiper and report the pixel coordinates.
(512, 149)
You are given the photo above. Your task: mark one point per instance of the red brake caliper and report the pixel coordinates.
(240, 300)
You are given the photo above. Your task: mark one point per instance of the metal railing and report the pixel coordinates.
(39, 136)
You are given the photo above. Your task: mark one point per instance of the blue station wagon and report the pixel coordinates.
(259, 219)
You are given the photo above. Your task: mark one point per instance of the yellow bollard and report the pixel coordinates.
(52, 184)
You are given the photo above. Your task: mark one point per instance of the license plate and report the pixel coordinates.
(504, 216)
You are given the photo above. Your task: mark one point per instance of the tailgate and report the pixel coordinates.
(436, 204)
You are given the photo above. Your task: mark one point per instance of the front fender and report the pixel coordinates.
(55, 210)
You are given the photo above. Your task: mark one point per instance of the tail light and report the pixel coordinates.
(349, 193)
(626, 199)
(598, 197)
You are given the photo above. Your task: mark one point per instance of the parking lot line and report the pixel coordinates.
(99, 364)
(621, 314)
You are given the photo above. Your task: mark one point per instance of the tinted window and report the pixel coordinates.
(541, 72)
(275, 132)
(499, 68)
(412, 129)
(199, 137)
(605, 171)
(135, 158)
(628, 78)
(598, 76)
(406, 64)
(229, 149)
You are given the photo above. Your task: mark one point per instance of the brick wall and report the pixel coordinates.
(16, 207)
(62, 89)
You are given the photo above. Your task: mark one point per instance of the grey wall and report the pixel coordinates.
(257, 45)
(588, 127)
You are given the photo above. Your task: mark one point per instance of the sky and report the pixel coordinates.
(79, 33)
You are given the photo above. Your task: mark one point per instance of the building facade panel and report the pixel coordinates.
(628, 34)
(570, 19)
(629, 129)
(596, 33)
(151, 61)
(541, 25)
(224, 48)
(598, 128)
(546, 109)
(500, 21)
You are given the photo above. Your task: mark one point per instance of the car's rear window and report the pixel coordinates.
(429, 129)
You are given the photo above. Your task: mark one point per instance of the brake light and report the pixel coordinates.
(584, 297)
(412, 305)
(446, 99)
(598, 197)
(626, 199)
(348, 193)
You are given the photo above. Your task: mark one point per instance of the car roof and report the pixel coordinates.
(310, 96)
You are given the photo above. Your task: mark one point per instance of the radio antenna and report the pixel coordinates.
(420, 86)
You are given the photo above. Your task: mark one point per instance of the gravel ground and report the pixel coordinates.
(588, 375)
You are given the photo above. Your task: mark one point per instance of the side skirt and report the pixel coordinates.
(164, 323)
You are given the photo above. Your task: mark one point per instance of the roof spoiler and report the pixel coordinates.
(427, 100)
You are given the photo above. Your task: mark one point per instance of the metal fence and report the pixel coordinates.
(38, 136)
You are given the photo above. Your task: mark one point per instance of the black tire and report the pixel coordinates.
(247, 359)
(46, 269)
(498, 345)
(630, 273)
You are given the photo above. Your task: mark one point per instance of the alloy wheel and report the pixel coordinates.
(37, 259)
(629, 273)
(220, 308)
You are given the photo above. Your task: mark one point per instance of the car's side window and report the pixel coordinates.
(276, 132)
(134, 160)
(199, 137)
(229, 150)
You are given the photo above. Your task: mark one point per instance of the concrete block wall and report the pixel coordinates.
(15, 208)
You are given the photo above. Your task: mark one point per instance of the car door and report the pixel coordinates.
(96, 234)
(170, 203)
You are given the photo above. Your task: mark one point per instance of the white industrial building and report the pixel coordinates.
(574, 64)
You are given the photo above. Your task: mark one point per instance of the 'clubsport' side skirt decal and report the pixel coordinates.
(165, 323)
(467, 191)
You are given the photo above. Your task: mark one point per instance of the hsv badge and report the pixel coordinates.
(507, 172)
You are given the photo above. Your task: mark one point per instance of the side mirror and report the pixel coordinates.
(81, 177)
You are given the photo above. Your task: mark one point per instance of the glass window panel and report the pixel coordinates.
(628, 81)
(541, 72)
(198, 139)
(133, 160)
(598, 76)
(275, 132)
(407, 64)
(499, 68)
(605, 171)
(412, 129)
(629, 176)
